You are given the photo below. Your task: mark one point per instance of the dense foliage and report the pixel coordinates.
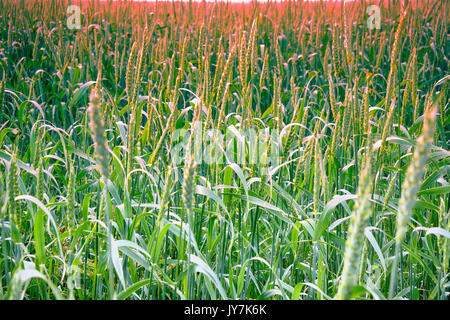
(354, 204)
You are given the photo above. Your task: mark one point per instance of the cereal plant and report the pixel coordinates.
(220, 150)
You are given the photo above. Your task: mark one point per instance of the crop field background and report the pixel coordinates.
(201, 150)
